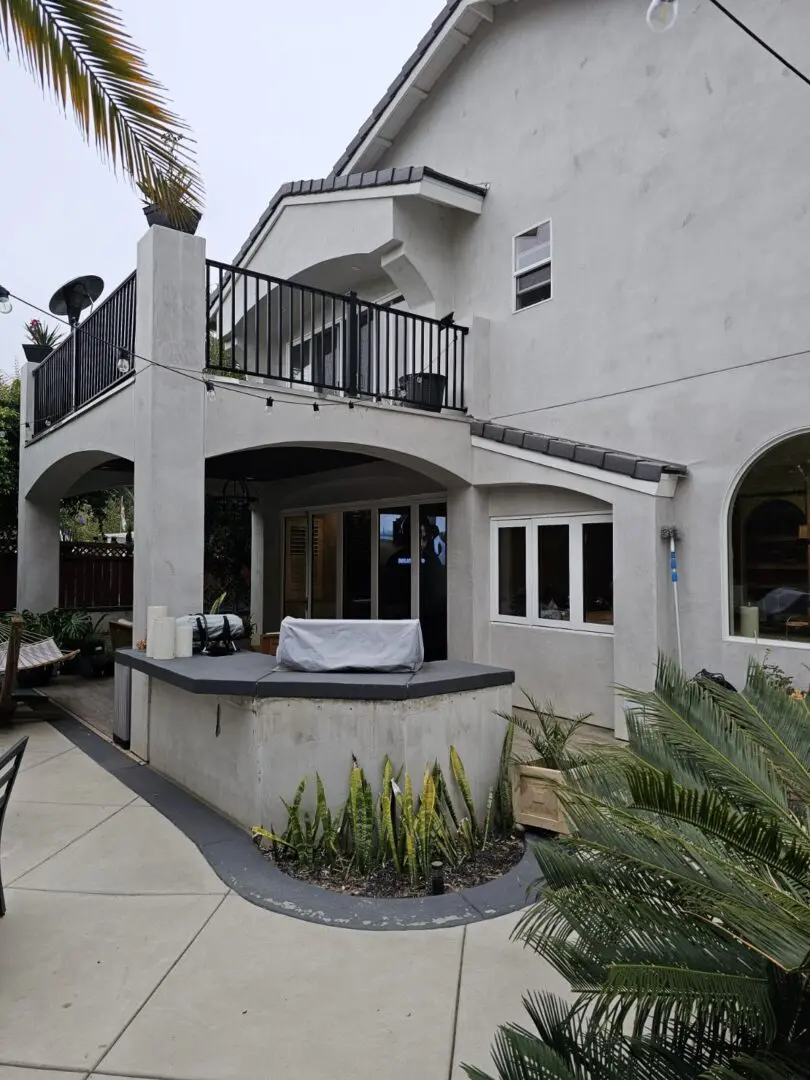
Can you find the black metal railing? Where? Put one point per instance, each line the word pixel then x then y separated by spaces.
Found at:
pixel 311 338
pixel 86 363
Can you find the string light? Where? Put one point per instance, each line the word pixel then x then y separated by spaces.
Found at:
pixel 123 362
pixel 268 405
pixel 316 407
pixel 210 390
pixel 661 15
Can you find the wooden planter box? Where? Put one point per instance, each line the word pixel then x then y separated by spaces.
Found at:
pixel 268 644
pixel 534 797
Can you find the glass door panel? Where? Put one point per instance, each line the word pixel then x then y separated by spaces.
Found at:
pixel 295 567
pixel 433 579
pixel 324 580
pixel 357 564
pixel 394 595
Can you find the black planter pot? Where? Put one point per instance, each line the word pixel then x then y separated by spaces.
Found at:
pixel 35 354
pixel 155 216
pixel 424 389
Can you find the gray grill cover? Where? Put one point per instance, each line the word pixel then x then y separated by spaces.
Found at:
pixel 350 645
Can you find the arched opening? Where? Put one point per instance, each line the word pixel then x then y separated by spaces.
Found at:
pixel 770 545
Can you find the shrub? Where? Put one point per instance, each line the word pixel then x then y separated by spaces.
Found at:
pixel 397 829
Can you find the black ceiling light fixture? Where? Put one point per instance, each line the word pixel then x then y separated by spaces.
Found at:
pixel 76 295
pixel 237 494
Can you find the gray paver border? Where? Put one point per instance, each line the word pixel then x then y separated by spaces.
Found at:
pixel 236 860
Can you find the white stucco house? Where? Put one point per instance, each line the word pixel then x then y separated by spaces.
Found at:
pixel 549 302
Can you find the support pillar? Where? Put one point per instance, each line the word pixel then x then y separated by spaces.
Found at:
pixel 257 566
pixel 37 525
pixel 169 438
pixel 643 620
pixel 468 575
pixel 37 555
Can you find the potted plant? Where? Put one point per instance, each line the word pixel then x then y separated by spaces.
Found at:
pixel 43 340
pixel 424 389
pixel 537 776
pixel 173 189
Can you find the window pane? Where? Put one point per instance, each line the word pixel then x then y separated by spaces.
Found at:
pixel 295 567
pixel 553 580
pixel 357 564
pixel 512 571
pixel 533 246
pixel 433 579
pixel 770 544
pixel 597 568
pixel 394 597
pixel 534 286
pixel 324 566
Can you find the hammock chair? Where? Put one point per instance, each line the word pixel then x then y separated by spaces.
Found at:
pixel 22 650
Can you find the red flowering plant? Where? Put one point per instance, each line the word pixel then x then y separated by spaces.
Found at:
pixel 43 335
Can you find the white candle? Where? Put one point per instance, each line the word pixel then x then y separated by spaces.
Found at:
pixel 152 613
pixel 749 621
pixel 163 631
pixel 183 641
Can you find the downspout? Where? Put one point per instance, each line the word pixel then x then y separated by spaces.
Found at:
pixel 671 534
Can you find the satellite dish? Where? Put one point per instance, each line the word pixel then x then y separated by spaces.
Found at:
pixel 74 296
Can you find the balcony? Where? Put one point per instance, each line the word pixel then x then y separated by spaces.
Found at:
pixel 307 338
pixel 290 334
pixel 86 364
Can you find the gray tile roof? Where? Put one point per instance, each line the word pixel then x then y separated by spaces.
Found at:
pixel 598 457
pixel 435 29
pixel 408 174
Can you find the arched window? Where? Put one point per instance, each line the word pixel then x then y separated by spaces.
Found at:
pixel 770 546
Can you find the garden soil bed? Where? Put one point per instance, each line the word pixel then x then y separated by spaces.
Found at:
pixel 497 860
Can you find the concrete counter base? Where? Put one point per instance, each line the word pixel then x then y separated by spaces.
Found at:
pixel 243 755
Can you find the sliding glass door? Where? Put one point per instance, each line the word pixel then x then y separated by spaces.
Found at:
pixel 359 564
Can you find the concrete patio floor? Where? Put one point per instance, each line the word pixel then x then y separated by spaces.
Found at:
pixel 123 954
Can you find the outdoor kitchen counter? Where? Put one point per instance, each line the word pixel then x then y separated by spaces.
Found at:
pixel 249 674
pixel 240 732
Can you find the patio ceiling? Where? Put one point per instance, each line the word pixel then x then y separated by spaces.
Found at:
pixel 266 463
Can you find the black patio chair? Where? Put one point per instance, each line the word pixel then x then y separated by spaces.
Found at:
pixel 9 767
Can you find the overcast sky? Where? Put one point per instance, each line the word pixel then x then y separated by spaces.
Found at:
pixel 272 91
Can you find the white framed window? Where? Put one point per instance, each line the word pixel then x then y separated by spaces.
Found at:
pixel 531 266
pixel 555 570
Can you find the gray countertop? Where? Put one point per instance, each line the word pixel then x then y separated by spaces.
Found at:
pixel 249 674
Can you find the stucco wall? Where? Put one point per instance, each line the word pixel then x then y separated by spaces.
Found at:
pixel 574 670
pixel 658 159
pixel 526 500
pixel 676 184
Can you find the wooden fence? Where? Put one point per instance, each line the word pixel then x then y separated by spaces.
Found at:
pixel 92 577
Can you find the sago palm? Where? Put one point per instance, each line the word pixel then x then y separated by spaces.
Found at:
pixel 80 51
pixel 679 908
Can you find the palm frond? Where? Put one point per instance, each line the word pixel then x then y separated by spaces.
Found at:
pixel 81 52
pixel 704 741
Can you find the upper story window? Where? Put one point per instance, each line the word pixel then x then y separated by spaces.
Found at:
pixel 553 571
pixel 531 266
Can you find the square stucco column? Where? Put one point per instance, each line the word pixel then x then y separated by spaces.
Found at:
pixel 468 575
pixel 38 555
pixel 265 562
pixel 643 617
pixel 37 525
pixel 169 438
